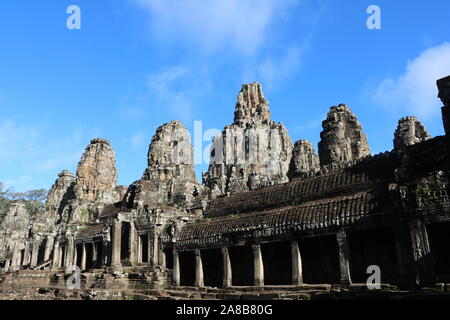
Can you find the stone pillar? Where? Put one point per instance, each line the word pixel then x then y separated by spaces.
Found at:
pixel 199 280
pixel 133 244
pixel 48 248
pixel 34 254
pixel 162 258
pixel 139 249
pixel 155 248
pixel 116 244
pixel 344 258
pixel 227 271
pixel 297 269
pixel 176 268
pixel 104 253
pixel 83 256
pixel 15 260
pixel 149 247
pixel 423 257
pixel 258 266
pixel 56 256
pixel 26 256
pixel 70 255
pixel 94 254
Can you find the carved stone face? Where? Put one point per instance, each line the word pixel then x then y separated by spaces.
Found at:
pixel 444 90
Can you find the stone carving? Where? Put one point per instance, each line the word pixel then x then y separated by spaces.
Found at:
pixel 342 138
pixel 409 131
pixel 444 90
pixel 60 193
pixel 305 162
pixel 170 175
pixel 97 174
pixel 252 152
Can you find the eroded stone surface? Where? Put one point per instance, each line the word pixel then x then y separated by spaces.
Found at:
pixel 252 152
pixel 444 90
pixel 97 174
pixel 342 138
pixel 305 162
pixel 409 131
pixel 170 175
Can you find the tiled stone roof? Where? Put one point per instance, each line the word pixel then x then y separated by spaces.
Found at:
pixel 313 215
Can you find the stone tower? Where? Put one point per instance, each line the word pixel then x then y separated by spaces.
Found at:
pixel 409 131
pixel 342 138
pixel 170 174
pixel 305 162
pixel 97 173
pixel 253 151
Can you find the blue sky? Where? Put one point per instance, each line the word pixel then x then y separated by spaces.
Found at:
pixel 136 64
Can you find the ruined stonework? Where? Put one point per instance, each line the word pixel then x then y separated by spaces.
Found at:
pixel 409 131
pixel 248 232
pixel 97 174
pixel 170 174
pixel 59 194
pixel 444 94
pixel 252 152
pixel 342 138
pixel 305 162
pixel 14 232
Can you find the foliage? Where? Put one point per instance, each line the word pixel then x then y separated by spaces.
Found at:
pixel 34 200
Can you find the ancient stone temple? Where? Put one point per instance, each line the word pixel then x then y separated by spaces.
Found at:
pixel 271 220
pixel 252 152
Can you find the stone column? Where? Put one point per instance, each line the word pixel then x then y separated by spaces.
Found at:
pixel 56 256
pixel 199 280
pixel 149 247
pixel 48 248
pixel 155 248
pixel 116 244
pixel 104 253
pixel 176 268
pixel 83 256
pixel 15 263
pixel 162 258
pixel 26 255
pixel 139 249
pixel 34 254
pixel 70 255
pixel 423 257
pixel 94 254
pixel 258 266
pixel 133 244
pixel 227 271
pixel 297 269
pixel 344 258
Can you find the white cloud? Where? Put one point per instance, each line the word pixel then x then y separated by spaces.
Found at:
pixel 30 154
pixel 173 91
pixel 415 91
pixel 243 25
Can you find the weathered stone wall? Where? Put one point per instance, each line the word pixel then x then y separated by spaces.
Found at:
pixel 305 162
pixel 97 174
pixel 409 131
pixel 342 138
pixel 170 175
